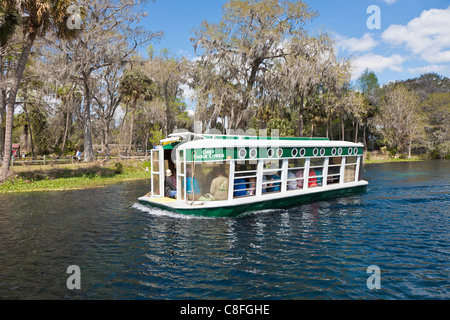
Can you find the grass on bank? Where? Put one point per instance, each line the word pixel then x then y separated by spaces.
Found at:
pixel 74 176
pixel 380 160
pixel 380 157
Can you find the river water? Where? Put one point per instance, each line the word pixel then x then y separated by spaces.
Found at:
pixel 320 250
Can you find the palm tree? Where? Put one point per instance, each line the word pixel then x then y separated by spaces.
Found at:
pixel 134 87
pixel 37 18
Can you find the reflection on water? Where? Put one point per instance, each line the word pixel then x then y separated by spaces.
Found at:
pixel 319 250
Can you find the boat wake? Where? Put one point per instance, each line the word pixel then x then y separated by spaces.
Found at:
pixel 165 213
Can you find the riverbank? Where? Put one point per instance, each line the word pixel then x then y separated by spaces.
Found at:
pixel 391 160
pixel 377 157
pixel 74 176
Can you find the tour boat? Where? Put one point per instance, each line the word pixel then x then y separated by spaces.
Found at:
pixel 228 175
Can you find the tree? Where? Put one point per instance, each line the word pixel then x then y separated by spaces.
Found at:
pixel 400 119
pixel 135 87
pixel 369 87
pixel 9 20
pixel 169 73
pixel 238 51
pixel 437 111
pixel 108 99
pixel 109 36
pixel 38 17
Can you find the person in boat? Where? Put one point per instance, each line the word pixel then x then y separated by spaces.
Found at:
pixel 192 187
pixel 219 186
pixel 319 173
pixel 211 176
pixel 276 186
pixel 265 186
pixel 299 174
pixel 312 182
pixel 292 184
pixel 239 187
pixel 170 189
pixel 252 189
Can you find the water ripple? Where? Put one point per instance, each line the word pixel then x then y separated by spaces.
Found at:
pixel 318 250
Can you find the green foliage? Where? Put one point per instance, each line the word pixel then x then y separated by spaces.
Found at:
pixel 135 86
pixel 156 135
pixel 72 178
pixel 119 168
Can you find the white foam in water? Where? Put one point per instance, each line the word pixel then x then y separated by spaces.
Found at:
pixel 161 212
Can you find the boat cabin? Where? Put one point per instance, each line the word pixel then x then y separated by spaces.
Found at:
pixel 221 171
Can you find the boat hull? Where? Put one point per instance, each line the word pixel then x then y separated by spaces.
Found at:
pixel 277 203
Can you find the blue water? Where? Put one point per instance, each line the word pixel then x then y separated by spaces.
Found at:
pixel 318 250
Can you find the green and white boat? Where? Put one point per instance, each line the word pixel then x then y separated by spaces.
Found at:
pixel 253 173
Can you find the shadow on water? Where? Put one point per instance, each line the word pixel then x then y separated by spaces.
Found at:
pixel 318 250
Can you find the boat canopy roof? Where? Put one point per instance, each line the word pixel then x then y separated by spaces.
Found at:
pixel 227 141
pixel 200 147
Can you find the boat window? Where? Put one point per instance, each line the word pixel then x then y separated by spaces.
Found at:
pixel 334 170
pixel 207 181
pixel 350 169
pixel 351 160
pixel 315 172
pixel 295 174
pixel 155 161
pixel 245 176
pixel 155 173
pixel 271 176
pixel 180 176
pixel 155 186
pixel 181 169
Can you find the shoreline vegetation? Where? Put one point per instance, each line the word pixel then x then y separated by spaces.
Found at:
pixel 87 175
pixel 74 176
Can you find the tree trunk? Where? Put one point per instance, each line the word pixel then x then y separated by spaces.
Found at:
pixel 4 173
pixel 331 129
pixel 365 137
pixel 66 130
pixel 300 118
pixel 107 134
pixel 88 151
pixel 2 119
pixel 342 129
pixel 409 149
pixel 130 142
pixel 356 131
pixel 29 127
pixel 2 107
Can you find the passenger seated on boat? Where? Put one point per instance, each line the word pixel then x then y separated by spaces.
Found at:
pixel 276 186
pixel 292 184
pixel 211 176
pixel 239 187
pixel 219 186
pixel 264 185
pixel 312 182
pixel 192 186
pixel 170 189
pixel 319 173
pixel 252 187
pixel 299 174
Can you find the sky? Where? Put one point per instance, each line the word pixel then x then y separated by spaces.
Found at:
pixel 397 39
